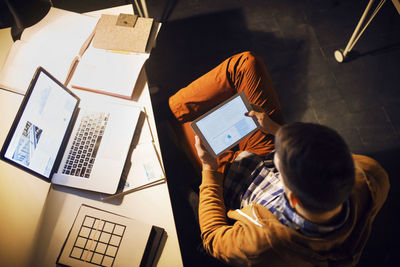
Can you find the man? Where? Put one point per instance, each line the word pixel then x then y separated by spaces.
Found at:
pixel 309 202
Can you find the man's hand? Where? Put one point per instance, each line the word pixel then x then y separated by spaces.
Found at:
pixel 209 162
pixel 267 125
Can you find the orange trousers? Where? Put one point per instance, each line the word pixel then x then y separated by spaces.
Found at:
pixel 242 72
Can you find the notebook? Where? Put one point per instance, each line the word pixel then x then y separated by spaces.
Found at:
pixel 102 238
pixel 57 138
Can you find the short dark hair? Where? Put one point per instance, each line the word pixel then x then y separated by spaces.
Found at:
pixel 315 164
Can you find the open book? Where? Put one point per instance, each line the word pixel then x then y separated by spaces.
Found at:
pixel 57 42
pixel 60 41
pixel 113 62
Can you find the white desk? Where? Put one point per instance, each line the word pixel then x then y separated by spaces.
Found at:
pixel 36 216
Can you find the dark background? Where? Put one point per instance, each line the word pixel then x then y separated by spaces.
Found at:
pixel 360 98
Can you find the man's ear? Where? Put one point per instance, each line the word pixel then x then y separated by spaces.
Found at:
pixel 293 200
pixel 276 162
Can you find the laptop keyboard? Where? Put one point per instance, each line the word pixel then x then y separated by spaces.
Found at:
pixel 83 151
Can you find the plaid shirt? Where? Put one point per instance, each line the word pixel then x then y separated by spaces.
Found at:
pixel 252 179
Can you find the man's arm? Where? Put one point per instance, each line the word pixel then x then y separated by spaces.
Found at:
pixel 230 243
pixel 376 177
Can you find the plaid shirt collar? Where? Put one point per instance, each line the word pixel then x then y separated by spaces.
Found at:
pixel 292 219
pixel 254 179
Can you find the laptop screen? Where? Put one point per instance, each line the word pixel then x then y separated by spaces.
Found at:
pixel 41 125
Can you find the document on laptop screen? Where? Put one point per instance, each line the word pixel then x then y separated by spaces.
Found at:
pixel 41 127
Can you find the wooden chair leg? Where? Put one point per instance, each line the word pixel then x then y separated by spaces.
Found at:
pixel 340 54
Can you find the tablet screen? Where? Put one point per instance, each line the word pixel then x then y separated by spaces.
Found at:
pixel 225 125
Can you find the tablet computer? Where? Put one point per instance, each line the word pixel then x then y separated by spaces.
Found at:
pixel 225 125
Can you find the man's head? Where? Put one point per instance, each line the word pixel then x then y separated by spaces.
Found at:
pixel 315 164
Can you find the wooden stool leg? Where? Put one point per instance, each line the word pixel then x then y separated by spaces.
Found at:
pixel 340 54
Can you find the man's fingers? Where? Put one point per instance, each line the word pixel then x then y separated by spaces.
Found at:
pixel 198 144
pixel 207 160
pixel 251 113
pixel 258 115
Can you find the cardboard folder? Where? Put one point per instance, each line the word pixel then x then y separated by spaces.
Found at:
pixel 123 32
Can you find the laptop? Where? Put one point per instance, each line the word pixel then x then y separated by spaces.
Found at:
pixel 57 138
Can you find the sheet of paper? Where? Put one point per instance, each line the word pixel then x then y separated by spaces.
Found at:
pixel 101 238
pixel 146 167
pixel 54 43
pixel 23 61
pixel 108 72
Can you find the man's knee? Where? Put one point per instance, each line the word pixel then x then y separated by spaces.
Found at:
pixel 248 58
pixel 248 61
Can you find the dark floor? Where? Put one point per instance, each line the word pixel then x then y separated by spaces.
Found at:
pixel 296 39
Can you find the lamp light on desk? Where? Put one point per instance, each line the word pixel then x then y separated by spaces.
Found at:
pixel 26 13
